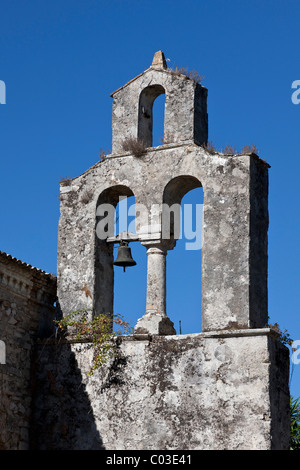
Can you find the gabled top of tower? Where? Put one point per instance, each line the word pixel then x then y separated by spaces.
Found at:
pixel 185 107
pixel 159 63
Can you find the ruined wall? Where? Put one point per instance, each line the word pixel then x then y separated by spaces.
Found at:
pixel 200 391
pixel 223 388
pixel 27 296
pixel 229 183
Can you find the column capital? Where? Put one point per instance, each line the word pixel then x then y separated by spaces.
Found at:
pixel 158 246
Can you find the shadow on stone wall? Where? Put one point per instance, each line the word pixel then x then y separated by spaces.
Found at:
pixel 62 415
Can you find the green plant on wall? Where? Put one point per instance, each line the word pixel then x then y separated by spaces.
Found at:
pixel 285 338
pixel 101 330
pixel 295 423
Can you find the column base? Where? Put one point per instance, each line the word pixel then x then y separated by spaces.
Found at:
pixel 155 324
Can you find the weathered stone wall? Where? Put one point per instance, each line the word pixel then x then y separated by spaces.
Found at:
pixel 235 222
pixel 229 256
pixel 224 388
pixel 27 297
pixel 185 109
pixel 221 390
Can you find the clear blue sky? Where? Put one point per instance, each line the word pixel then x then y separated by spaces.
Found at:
pixel 60 61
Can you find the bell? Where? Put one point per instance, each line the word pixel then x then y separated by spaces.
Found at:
pixel 124 257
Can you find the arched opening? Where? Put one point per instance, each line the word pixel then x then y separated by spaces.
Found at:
pixel 145 117
pixel 129 288
pixel 184 262
pixel 104 272
pixel 158 120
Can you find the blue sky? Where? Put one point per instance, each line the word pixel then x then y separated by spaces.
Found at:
pixel 60 60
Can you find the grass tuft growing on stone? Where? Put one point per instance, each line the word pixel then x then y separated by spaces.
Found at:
pixel 134 146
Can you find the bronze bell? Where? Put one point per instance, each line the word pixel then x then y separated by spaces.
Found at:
pixel 124 257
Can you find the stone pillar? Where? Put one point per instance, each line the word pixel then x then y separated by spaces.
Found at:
pixel 155 320
pixel 156 280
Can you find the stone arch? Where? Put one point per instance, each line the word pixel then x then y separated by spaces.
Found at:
pixel 103 257
pixel 181 197
pixel 145 112
pixel 178 186
pixel 111 194
pixel 173 193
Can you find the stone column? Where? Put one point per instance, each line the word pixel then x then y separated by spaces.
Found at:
pixel 155 320
pixel 156 280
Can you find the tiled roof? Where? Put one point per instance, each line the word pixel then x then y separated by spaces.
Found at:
pixel 5 257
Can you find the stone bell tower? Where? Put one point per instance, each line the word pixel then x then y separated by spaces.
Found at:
pixel 227 386
pixel 185 108
pixel 234 265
